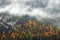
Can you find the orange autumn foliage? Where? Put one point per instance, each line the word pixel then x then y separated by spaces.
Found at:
pixel 13 35
pixel 46 33
pixel 3 36
pixel 35 24
pixel 30 22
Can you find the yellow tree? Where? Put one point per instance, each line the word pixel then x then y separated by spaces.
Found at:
pixel 51 28
pixel 30 22
pixel 34 24
pixel 3 36
pixel 27 24
pixel 19 26
pixel 13 35
pixel 46 34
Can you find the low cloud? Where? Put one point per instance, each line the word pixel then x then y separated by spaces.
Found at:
pixel 43 8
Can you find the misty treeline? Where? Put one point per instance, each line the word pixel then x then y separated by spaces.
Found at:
pixel 26 28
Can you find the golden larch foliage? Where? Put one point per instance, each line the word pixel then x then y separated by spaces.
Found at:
pixel 46 33
pixel 3 36
pixel 13 35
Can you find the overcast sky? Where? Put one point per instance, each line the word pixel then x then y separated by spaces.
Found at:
pixel 43 8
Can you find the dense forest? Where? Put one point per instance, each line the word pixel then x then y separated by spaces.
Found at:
pixel 27 28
